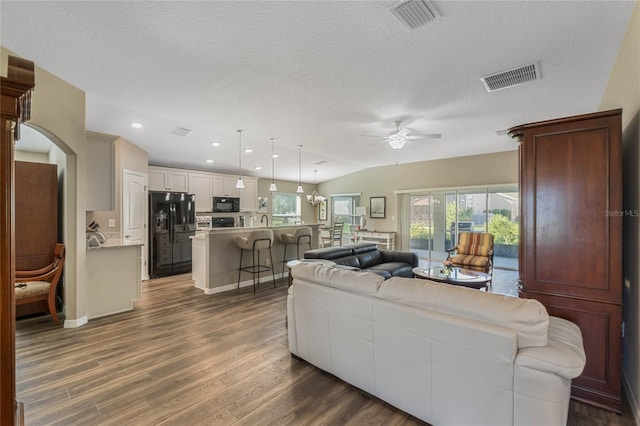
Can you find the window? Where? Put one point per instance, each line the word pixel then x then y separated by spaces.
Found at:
pixel 285 209
pixel 343 209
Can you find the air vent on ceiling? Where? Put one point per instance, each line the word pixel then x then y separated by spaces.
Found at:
pixel 510 78
pixel 181 131
pixel 414 13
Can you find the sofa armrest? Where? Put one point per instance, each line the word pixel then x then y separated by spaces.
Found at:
pixel 563 355
pixel 400 256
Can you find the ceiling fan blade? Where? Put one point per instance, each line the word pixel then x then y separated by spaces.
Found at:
pixel 425 136
pixel 380 142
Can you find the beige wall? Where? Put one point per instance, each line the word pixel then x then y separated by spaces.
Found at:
pixel 65 127
pixel 486 169
pixel 623 91
pixel 130 157
pixel 32 157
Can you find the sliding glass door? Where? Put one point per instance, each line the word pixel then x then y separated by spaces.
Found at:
pixel 436 218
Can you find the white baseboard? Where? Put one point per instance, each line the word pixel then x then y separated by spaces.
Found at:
pixel 229 287
pixel 632 398
pixel 106 314
pixel 75 323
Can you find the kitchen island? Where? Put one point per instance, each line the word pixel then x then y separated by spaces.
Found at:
pixel 216 257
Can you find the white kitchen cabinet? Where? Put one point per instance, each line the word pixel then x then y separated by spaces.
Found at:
pixel 249 195
pixel 225 185
pixel 201 185
pixel 167 179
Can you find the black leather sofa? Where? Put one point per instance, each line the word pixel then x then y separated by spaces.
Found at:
pixel 367 257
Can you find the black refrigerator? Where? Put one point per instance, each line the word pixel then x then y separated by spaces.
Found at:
pixel 172 222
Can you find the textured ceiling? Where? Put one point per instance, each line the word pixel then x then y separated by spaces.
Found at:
pixel 317 73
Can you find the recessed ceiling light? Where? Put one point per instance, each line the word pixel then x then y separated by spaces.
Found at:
pixel 136 125
pixel 216 144
pixel 275 155
pixel 209 161
pixel 248 150
pixel 258 167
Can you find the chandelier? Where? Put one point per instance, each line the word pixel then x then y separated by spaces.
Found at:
pixel 314 198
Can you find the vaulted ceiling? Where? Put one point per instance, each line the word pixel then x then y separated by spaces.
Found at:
pixel 323 74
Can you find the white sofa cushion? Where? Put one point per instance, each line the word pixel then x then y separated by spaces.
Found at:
pixel 527 317
pixel 358 282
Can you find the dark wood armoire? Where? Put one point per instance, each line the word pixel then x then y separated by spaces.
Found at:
pixel 571 237
pixel 36 207
pixel 15 108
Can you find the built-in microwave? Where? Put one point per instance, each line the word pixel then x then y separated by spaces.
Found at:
pixel 226 204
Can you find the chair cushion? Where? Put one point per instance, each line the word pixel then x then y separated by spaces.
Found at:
pixel 475 244
pixel 33 289
pixel 471 261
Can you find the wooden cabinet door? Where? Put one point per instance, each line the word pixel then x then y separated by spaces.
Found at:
pixel 572 234
pixel 36 209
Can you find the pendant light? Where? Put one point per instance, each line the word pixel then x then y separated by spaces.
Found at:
pixel 273 188
pixel 300 190
pixel 240 183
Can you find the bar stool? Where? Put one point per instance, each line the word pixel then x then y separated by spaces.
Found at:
pixel 261 239
pixel 299 237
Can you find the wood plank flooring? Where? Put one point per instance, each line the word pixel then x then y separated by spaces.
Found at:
pixel 184 358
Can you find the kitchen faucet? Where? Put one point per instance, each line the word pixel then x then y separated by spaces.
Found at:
pixel 264 216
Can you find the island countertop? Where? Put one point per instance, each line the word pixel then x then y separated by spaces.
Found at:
pixel 216 257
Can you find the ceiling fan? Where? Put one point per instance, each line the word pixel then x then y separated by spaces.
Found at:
pixel 400 136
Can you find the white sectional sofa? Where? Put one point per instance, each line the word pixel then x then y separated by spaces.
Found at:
pixel 446 354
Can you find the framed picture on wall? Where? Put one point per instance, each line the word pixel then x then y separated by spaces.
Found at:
pixel 262 204
pixel 377 207
pixel 323 210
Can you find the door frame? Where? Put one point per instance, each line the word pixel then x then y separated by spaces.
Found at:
pixel 144 267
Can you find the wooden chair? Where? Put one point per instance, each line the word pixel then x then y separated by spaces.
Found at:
pixel 40 285
pixel 474 251
pixel 335 235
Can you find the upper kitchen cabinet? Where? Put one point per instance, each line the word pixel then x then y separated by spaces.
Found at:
pixel 100 172
pixel 249 195
pixel 225 186
pixel 166 179
pixel 201 185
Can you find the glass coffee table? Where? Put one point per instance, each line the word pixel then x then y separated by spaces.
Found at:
pixel 457 276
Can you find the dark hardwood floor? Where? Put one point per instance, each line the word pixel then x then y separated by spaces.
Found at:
pixel 184 358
